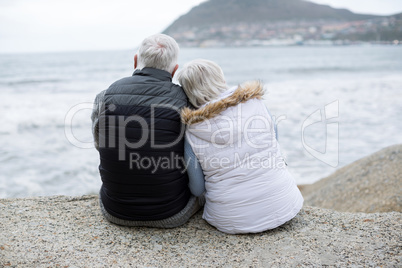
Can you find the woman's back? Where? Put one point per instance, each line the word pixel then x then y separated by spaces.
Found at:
pixel 248 187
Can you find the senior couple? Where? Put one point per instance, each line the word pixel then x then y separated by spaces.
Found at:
pixel 168 150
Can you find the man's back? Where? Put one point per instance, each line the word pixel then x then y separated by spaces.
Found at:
pixel 141 147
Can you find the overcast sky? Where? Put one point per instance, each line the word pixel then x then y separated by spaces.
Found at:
pixel 52 25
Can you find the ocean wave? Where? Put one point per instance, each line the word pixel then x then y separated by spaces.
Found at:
pixel 304 70
pixel 36 100
pixel 31 81
pixel 27 126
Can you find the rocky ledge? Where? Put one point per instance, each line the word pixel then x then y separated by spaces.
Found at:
pixel 62 231
pixel 371 184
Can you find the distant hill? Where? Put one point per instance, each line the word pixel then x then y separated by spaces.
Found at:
pixel 231 22
pixel 257 11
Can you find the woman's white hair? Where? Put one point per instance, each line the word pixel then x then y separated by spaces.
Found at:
pixel 202 81
pixel 158 51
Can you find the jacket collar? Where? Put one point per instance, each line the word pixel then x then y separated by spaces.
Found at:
pixel 156 73
pixel 247 91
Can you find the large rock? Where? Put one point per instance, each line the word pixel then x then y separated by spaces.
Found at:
pixel 71 232
pixel 371 184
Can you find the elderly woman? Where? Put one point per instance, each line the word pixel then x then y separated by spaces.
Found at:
pixel 248 188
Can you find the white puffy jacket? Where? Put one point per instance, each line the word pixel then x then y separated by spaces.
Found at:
pixel 248 187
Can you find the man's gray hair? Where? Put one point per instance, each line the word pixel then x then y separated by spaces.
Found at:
pixel 202 80
pixel 158 51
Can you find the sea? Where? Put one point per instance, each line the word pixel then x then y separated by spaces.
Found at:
pixel 332 105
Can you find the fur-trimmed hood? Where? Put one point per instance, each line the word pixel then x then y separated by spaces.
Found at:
pixel 246 91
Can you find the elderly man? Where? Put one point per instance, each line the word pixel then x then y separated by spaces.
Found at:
pixel 139 136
